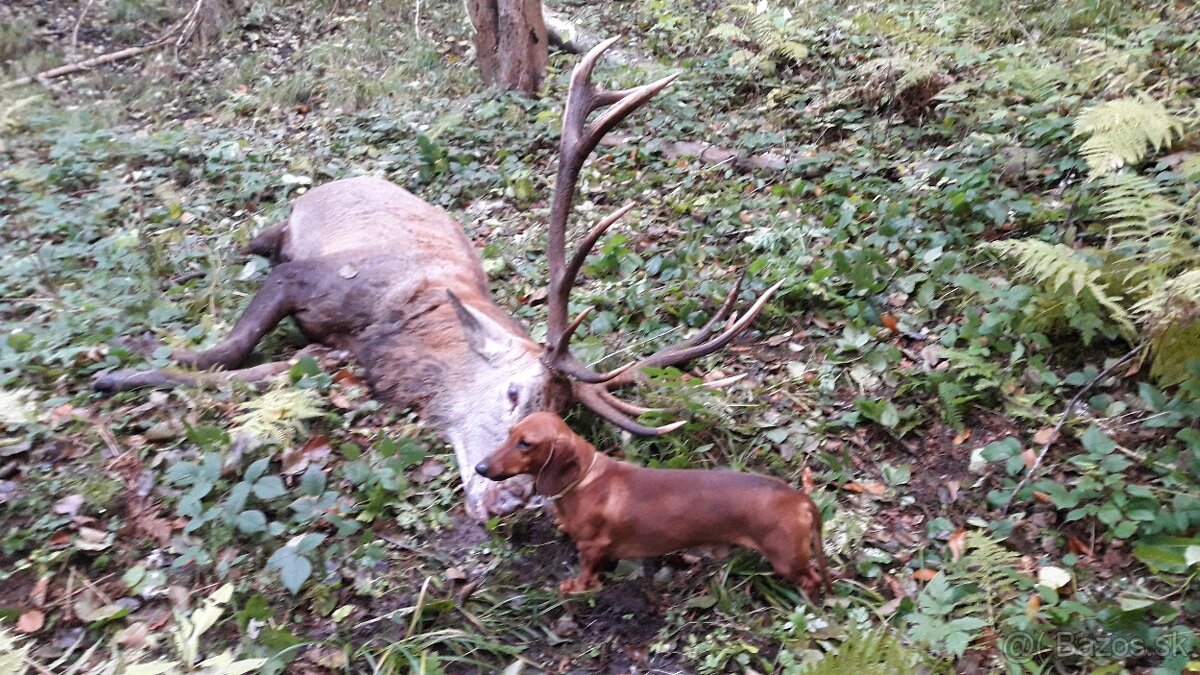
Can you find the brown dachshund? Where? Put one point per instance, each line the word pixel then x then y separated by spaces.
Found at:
pixel 613 509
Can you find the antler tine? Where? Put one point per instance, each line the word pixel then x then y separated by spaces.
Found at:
pixel 578 140
pixel 590 396
pixel 593 235
pixel 684 352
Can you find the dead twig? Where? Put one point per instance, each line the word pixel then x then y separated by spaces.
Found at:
pixel 1066 414
pixel 181 31
pixel 79 22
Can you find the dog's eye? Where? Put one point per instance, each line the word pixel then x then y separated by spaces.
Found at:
pixel 522 445
pixel 513 394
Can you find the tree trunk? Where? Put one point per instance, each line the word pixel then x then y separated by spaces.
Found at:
pixel 510 43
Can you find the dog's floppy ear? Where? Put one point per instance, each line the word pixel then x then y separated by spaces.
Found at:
pixel 562 466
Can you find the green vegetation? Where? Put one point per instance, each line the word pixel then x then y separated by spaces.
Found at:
pixel 981 211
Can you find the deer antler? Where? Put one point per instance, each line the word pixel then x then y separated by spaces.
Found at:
pixel 579 138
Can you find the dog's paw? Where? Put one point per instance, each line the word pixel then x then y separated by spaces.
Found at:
pixel 571 586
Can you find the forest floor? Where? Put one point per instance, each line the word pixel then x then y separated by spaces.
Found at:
pixel 889 159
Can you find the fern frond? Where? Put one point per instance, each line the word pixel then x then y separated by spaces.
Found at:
pixel 1117 69
pixel 1190 166
pixel 16 407
pixel 1176 301
pixel 873 652
pixel 1137 209
pixel 279 414
pixel 1123 131
pixel 1061 269
pixel 990 573
pixel 14 655
pixel 729 33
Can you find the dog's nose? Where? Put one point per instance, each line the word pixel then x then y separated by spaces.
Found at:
pixel 481 468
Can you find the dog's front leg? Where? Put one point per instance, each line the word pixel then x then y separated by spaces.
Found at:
pixel 591 560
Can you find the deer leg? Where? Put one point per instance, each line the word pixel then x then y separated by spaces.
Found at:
pixel 125 380
pixel 273 302
pixel 267 242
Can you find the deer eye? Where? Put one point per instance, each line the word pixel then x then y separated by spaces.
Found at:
pixel 522 445
pixel 513 394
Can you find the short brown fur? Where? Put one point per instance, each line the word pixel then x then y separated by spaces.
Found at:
pixel 613 509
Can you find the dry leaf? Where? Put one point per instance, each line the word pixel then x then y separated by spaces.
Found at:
pixel 1076 545
pixel 91 539
pixel 31 621
pixel 806 481
pixel 925 574
pixel 1035 603
pixel 1053 577
pixel 1029 457
pixel 890 323
pixel 134 635
pixel 962 436
pixel 1042 497
pixel 455 574
pixel 429 470
pixel 68 506
pixel 1045 436
pixel 296 460
pixel 38 594
pixel 957 543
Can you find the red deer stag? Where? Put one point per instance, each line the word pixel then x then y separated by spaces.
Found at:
pixel 366 266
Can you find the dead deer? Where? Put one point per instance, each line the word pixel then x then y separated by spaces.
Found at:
pixel 366 266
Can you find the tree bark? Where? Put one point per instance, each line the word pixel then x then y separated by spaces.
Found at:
pixel 510 43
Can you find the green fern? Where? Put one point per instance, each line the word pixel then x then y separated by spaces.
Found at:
pixel 1171 314
pixel 1121 132
pixel 875 652
pixel 14 655
pixel 279 414
pixel 16 406
pixel 769 36
pixel 1063 272
pixel 988 573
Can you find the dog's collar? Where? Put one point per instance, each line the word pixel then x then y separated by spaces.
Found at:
pixel 577 481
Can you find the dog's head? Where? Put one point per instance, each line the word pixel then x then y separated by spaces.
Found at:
pixel 540 445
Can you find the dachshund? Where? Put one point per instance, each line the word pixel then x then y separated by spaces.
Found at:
pixel 613 509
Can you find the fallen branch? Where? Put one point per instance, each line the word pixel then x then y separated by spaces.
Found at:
pixel 1063 420
pixel 184 27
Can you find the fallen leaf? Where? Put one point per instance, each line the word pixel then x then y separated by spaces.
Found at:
pixel 69 505
pixel 134 635
pixel 430 469
pixel 925 574
pixel 31 621
pixel 806 481
pixel 1035 603
pixel 1042 497
pixel 1045 436
pixel 1076 545
pixel 455 574
pixel 1029 457
pixel 296 460
pixel 1053 577
pixel 38 594
pixel 91 539
pixel 957 543
pixel 962 436
pixel 948 491
pixel 890 323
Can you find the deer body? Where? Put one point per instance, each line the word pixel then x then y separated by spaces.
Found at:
pixel 366 266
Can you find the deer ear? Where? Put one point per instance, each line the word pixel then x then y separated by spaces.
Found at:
pixel 485 336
